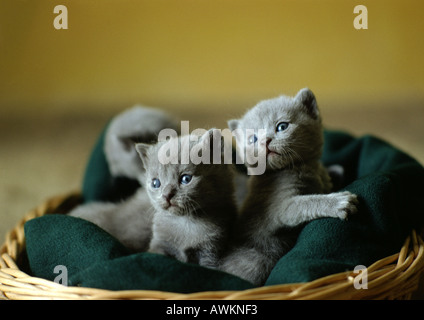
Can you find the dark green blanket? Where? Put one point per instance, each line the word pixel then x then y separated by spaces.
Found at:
pixel 387 181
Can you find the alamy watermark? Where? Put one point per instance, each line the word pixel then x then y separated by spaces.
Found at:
pixel 62 277
pixel 221 150
pixel 361 280
pixel 61 20
pixel 360 21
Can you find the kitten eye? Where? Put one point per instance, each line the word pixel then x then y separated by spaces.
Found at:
pixel 186 178
pixel 252 139
pixel 282 126
pixel 155 183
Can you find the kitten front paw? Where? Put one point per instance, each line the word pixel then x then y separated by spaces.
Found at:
pixel 345 204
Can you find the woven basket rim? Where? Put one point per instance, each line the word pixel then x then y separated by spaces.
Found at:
pixel 394 277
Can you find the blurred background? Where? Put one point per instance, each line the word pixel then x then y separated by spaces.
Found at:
pixel 204 61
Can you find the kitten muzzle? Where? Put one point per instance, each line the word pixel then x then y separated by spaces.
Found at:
pixel 270 152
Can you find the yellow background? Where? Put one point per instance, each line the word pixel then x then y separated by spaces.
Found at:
pixel 198 54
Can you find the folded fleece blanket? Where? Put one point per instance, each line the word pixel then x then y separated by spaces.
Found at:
pixel 387 181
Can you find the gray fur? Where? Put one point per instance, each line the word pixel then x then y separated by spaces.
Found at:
pixel 129 221
pixel 293 190
pixel 137 124
pixel 194 225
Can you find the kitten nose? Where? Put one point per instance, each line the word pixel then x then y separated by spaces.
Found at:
pixel 168 193
pixel 266 142
pixel 168 196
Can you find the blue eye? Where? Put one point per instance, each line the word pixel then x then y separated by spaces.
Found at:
pixel 186 178
pixel 252 139
pixel 282 126
pixel 155 183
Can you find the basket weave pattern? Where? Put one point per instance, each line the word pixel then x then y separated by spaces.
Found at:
pixel 394 277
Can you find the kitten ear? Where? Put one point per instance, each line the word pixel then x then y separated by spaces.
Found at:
pixel 307 98
pixel 142 149
pixel 233 124
pixel 127 143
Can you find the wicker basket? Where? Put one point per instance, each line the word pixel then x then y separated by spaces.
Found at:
pixel 394 277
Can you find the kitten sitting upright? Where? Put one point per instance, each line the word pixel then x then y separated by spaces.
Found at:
pixel 293 190
pixel 193 202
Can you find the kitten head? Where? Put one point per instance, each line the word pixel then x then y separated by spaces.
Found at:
pixel 291 131
pixel 181 177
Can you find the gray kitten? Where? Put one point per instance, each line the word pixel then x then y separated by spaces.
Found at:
pixel 193 199
pixel 293 190
pixel 130 220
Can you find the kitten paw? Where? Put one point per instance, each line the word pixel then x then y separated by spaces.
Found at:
pixel 345 204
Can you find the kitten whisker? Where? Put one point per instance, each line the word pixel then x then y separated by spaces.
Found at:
pixel 196 206
pixel 295 156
